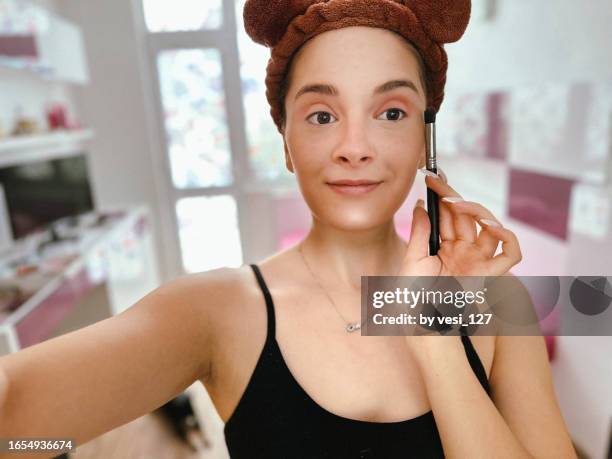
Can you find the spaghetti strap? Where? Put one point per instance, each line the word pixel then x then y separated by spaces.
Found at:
pixel 268 297
pixel 470 351
pixel 274 403
pixel 475 362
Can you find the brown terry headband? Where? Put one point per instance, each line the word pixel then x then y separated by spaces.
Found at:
pixel 284 25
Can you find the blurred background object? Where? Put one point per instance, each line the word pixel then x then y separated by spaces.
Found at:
pixel 160 106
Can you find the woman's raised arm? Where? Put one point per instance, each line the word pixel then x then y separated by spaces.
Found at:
pixel 87 382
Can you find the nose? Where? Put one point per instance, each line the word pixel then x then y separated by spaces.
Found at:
pixel 354 148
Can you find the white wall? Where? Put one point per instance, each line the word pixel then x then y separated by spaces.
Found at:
pixel 582 380
pixel 532 42
pixel 527 44
pixel 114 105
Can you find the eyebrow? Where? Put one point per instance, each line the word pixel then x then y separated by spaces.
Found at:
pixel 330 90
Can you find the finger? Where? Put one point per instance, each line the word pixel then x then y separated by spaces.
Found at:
pixel 485 241
pixel 447 226
pixel 418 245
pixel 439 173
pixel 464 227
pixel 510 254
pixel 442 174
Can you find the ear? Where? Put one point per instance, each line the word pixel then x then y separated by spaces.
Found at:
pixel 288 162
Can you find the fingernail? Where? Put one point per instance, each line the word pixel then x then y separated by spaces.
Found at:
pixel 442 174
pixel 420 203
pixel 429 173
pixel 452 199
pixel 488 222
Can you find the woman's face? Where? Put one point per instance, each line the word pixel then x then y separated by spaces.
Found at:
pixel 351 128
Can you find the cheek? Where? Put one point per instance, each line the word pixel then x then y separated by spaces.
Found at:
pixel 404 151
pixel 307 158
pixel 403 154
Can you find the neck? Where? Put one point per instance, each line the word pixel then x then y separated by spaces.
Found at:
pixel 341 256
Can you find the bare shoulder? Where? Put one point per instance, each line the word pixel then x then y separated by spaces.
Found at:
pixel 207 290
pixel 210 299
pixel 241 326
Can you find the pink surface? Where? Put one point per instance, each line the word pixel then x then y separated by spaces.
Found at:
pixel 46 317
pixel 291 238
pixel 539 200
pixel 497 135
pixel 18 46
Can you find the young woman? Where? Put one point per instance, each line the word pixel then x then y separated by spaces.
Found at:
pixel 269 341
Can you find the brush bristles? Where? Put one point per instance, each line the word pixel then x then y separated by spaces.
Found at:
pixel 430 116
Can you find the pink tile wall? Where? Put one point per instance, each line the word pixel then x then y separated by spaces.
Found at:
pixel 542 201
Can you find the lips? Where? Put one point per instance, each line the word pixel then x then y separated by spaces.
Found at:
pixel 353 187
pixel 353 182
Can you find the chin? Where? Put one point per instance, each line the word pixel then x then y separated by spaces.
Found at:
pixel 358 219
pixel 355 214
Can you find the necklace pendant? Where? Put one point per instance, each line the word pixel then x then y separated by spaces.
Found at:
pixel 352 327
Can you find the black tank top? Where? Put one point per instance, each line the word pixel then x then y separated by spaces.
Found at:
pixel 275 418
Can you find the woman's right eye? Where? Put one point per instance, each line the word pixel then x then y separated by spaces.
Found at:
pixel 320 117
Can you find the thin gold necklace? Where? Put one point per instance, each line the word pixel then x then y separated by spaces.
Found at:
pixel 350 326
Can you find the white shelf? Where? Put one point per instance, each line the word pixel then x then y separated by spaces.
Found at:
pixel 20 149
pixel 56 43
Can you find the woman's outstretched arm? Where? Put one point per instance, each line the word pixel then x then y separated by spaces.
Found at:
pixel 87 382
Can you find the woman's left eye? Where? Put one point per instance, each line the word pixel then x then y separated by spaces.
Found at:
pixel 395 114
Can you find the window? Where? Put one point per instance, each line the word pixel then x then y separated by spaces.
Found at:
pixel 193 101
pixel 182 15
pixel 265 144
pixel 208 232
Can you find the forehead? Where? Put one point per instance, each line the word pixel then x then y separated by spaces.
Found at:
pixel 354 55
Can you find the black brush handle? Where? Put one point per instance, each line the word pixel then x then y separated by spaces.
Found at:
pixel 434 219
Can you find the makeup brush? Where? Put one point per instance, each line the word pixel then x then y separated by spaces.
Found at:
pixel 431 165
pixel 432 199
